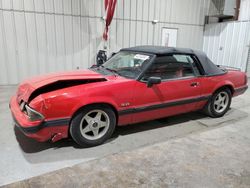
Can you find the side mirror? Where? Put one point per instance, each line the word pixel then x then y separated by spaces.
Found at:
pixel 153 80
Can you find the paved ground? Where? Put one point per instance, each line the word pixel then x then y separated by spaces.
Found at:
pixel 193 149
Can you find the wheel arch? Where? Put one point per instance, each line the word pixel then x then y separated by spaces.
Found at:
pixel 229 86
pixel 224 84
pixel 95 103
pixel 207 109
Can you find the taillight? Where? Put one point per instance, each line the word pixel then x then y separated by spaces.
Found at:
pixel 245 79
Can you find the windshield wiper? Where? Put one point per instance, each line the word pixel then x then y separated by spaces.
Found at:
pixel 111 70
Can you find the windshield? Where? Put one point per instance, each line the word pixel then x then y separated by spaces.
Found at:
pixel 127 64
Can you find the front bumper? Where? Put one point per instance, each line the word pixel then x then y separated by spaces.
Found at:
pixel 38 130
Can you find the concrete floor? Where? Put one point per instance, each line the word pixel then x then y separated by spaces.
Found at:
pixel 23 158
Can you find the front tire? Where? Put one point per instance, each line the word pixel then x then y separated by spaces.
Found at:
pixel 93 125
pixel 219 103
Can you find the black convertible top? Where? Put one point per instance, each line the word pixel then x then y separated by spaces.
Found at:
pixel 209 67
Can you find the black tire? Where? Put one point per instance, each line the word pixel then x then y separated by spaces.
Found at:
pixel 78 121
pixel 210 107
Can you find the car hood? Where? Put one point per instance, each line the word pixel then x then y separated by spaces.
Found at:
pixel 33 87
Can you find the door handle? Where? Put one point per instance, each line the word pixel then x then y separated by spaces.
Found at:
pixel 194 84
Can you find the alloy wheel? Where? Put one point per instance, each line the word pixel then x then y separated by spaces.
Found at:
pixel 221 101
pixel 94 124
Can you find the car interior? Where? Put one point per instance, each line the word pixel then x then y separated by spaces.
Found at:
pixel 169 68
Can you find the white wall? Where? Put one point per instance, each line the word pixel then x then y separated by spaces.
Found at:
pixel 228 43
pixel 248 64
pixel 244 10
pixel 40 36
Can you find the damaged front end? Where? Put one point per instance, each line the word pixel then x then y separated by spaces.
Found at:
pixel 61 84
pixel 36 112
pixel 32 114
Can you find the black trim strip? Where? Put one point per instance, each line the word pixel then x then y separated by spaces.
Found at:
pixel 163 105
pixel 44 124
pixel 241 89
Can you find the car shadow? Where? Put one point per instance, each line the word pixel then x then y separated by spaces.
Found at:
pixel 29 145
pixel 123 139
pixel 158 123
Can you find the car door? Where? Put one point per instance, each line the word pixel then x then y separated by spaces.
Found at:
pixel 178 92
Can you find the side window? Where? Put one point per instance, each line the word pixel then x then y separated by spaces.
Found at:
pixel 188 60
pixel 172 66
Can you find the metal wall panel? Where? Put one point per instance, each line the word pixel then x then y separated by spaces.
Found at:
pixel 248 64
pixel 244 14
pixel 41 36
pixel 228 43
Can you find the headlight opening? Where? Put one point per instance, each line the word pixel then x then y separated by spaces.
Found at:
pixel 32 114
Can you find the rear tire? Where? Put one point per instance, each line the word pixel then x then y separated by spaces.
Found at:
pixel 93 125
pixel 219 103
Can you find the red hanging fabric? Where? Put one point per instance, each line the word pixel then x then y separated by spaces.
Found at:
pixel 106 4
pixel 110 9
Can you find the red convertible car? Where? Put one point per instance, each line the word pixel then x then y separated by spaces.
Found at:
pixel 137 84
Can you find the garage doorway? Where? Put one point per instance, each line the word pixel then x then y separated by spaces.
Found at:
pixel 169 37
